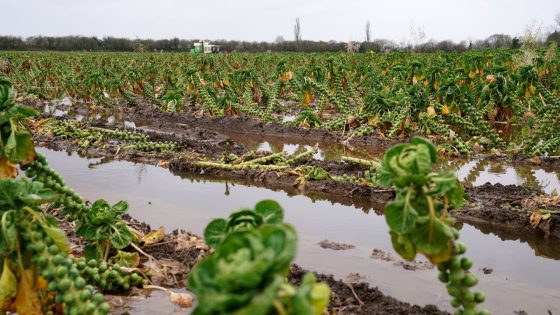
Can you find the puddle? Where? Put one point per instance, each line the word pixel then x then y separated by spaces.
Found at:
pixel 477 172
pixel 525 268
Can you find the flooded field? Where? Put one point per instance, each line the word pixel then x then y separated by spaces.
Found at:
pixel 521 271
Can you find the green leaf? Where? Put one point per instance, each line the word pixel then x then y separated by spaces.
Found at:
pixel 245 272
pixel 400 216
pixel 9 231
pixel 215 232
pixel 121 236
pixel 423 162
pixel 244 220
pixel 431 147
pixel 311 298
pixel 17 192
pixel 270 211
pixel 102 213
pixel 92 232
pixel 432 237
pixel 261 303
pixel 19 147
pixel 93 251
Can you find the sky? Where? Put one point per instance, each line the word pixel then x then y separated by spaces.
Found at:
pixel 265 20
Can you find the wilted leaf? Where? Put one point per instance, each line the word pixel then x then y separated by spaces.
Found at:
pixel 8 286
pixel 7 169
pixel 126 259
pixel 432 237
pixel 19 147
pixel 27 301
pixel 403 246
pixel 154 237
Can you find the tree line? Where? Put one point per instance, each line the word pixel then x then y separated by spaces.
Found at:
pixel 84 43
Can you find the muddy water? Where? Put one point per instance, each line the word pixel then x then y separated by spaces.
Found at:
pixel 521 279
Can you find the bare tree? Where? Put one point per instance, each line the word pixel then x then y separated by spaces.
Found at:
pixel 417 37
pixel 368 32
pixel 297 31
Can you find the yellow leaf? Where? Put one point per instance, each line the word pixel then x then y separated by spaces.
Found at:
pixel 445 110
pixel 8 286
pixel 437 85
pixel 27 301
pixel 431 111
pixel 414 79
pixel 307 98
pixel 443 256
pixel 7 169
pixel 472 75
pixel 154 236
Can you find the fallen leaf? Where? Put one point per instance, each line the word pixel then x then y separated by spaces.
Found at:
pixel 535 219
pixel 163 163
pixel 535 160
pixel 154 236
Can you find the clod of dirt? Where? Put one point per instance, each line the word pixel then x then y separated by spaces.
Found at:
pixel 487 271
pixel 407 265
pixel 336 246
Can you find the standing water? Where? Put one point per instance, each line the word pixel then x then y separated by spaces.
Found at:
pixel 522 277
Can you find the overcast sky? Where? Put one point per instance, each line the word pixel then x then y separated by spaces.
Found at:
pixel 264 20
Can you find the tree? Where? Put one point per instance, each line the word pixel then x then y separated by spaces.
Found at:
pixel 297 31
pixel 368 32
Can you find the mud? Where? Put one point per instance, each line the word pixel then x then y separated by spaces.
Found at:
pixel 326 244
pixel 360 298
pixel 405 264
pixel 145 114
pixel 509 206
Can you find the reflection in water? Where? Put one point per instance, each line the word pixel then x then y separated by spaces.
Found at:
pixel 521 280
pixel 477 172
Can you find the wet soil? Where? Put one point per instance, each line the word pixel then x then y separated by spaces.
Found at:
pixel 505 207
pixel 334 245
pixel 405 264
pixel 145 114
pixel 509 206
pixel 360 298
